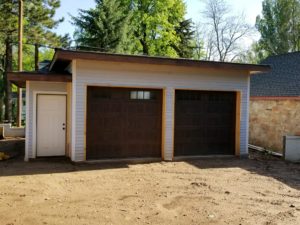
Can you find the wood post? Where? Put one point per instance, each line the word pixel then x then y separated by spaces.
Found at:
pixel 20 64
pixel 7 84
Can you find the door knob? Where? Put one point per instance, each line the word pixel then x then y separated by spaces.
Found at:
pixel 64 126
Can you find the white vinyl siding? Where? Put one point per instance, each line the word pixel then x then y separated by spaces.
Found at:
pixel 36 86
pixel 168 78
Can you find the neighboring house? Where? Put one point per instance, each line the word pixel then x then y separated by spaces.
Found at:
pixel 92 106
pixel 275 102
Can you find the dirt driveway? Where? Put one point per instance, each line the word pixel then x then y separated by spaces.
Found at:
pixel 206 191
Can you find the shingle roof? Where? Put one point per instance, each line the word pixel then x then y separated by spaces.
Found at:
pixel 282 80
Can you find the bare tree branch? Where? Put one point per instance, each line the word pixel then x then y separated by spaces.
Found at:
pixel 227 31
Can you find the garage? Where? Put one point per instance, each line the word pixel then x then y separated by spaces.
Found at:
pixel 128 106
pixel 204 123
pixel 123 123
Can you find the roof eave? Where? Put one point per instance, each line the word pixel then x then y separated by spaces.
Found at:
pixel 70 55
pixel 20 78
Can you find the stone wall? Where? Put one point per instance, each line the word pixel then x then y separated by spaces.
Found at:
pixel 270 120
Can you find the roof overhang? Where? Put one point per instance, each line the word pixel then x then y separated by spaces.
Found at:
pixel 58 71
pixel 62 58
pixel 20 78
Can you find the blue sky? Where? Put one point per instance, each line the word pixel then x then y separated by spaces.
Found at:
pixel 251 9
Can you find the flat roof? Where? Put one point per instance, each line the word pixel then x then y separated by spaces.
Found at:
pixel 63 57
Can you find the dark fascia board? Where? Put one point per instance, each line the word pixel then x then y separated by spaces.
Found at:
pixel 61 54
pixel 20 78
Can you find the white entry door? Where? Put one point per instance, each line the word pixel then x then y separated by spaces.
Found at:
pixel 51 125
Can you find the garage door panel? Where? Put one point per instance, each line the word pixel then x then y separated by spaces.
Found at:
pixel 121 127
pixel 204 123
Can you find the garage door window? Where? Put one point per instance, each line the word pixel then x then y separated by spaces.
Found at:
pixel 142 95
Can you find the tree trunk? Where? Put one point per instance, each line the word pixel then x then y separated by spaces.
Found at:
pixel 36 57
pixel 2 64
pixel 145 47
pixel 1 109
pixel 143 41
pixel 7 84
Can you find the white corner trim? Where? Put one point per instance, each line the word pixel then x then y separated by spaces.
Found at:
pixel 169 123
pixel 27 122
pixel 34 118
pixel 247 116
pixel 73 137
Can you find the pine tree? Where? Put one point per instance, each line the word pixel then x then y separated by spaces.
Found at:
pixel 8 29
pixel 186 32
pixel 104 28
pixel 38 22
pixel 135 26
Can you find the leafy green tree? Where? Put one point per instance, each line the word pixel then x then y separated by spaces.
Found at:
pixel 155 24
pixel 29 61
pixel 279 26
pixel 105 27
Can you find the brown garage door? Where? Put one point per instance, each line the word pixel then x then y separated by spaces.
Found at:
pixel 123 123
pixel 204 123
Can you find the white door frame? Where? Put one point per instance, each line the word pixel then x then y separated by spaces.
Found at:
pixel 34 119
